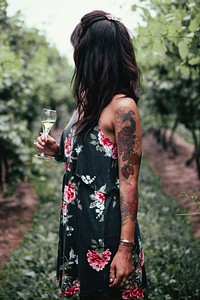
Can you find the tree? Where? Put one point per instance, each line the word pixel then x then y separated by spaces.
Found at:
pixel 33 75
pixel 168 46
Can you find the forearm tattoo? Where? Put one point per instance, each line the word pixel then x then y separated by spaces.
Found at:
pixel 128 143
pixel 129 202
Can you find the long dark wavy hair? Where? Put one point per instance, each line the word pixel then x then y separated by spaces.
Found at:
pixel 105 65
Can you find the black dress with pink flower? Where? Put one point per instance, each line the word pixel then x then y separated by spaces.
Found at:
pixel 90 218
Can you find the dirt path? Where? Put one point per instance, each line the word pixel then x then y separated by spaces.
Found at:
pixel 175 177
pixel 15 218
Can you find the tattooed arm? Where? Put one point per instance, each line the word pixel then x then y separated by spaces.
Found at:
pixel 128 137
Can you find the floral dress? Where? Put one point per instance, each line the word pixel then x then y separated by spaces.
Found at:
pixel 90 218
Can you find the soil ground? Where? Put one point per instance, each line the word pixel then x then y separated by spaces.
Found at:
pixel 175 176
pixel 16 211
pixel 15 218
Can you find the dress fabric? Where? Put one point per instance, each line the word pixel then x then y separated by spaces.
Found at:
pixel 90 219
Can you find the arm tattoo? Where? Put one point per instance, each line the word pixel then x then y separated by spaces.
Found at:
pixel 128 143
pixel 129 203
pixel 126 136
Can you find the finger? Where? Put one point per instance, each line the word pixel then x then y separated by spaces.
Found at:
pixel 39 148
pixel 121 283
pixel 112 277
pixel 40 141
pixel 39 144
pixel 43 137
pixel 124 281
pixel 116 282
pixel 112 274
pixel 50 140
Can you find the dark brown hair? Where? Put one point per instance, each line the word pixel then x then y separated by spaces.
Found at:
pixel 105 65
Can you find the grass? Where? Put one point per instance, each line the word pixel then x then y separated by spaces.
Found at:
pixel 30 273
pixel 172 254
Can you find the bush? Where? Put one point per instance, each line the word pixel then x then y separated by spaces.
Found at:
pixel 172 254
pixel 30 273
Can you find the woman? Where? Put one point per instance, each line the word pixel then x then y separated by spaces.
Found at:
pixel 100 254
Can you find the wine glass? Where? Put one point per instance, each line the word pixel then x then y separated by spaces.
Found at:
pixel 48 118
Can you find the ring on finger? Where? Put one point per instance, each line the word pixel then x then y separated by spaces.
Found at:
pixel 123 280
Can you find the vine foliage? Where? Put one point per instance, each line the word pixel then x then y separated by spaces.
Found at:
pixel 169 54
pixel 33 75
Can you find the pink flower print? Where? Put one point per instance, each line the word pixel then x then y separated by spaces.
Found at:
pixel 69 193
pixel 132 292
pixel 100 196
pixel 109 146
pixel 68 147
pixel 114 151
pixel 141 255
pixel 106 142
pixel 67 167
pixel 98 260
pixel 64 208
pixel 74 289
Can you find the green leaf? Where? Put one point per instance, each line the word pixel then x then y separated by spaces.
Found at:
pixel 195 23
pixel 29 273
pixel 169 17
pixel 187 18
pixel 93 136
pixel 172 31
pixel 93 142
pixel 194 61
pixel 134 7
pixel 183 49
pixel 185 71
pixel 21 295
pixel 159 48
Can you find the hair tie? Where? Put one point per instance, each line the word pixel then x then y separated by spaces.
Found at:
pixel 113 18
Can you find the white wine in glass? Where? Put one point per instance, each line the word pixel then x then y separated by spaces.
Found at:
pixel 48 118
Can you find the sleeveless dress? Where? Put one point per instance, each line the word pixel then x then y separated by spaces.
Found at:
pixel 90 218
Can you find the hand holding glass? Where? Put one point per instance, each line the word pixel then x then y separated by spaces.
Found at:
pixel 48 118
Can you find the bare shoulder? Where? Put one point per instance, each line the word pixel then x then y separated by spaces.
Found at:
pixel 123 101
pixel 123 108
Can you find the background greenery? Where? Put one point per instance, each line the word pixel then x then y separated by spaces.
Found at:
pixel 168 52
pixel 34 75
